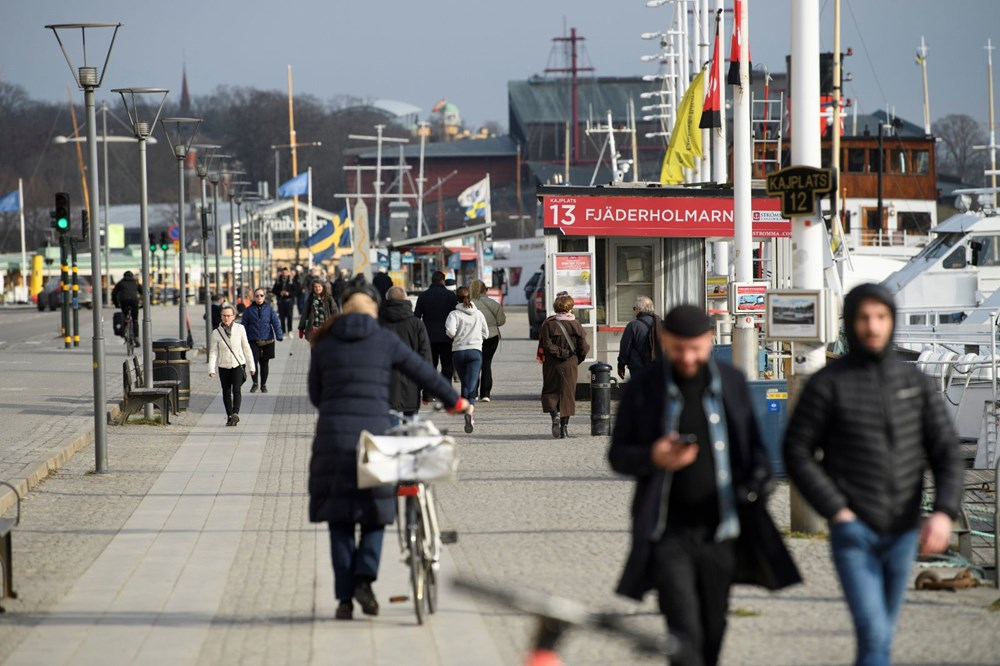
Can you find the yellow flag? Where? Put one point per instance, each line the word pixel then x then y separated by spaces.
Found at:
pixel 685 140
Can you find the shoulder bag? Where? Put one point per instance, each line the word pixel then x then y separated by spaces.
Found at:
pixel 569 341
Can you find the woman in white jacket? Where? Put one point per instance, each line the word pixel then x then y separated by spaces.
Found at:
pixel 229 352
pixel 467 328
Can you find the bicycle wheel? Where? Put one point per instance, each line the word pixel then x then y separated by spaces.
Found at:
pixel 129 338
pixel 417 569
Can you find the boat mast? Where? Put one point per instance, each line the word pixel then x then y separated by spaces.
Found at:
pixel 993 135
pixel 922 61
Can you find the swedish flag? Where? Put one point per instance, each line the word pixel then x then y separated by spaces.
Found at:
pixel 322 243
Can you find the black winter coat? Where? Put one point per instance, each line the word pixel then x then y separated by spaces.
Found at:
pixel 762 558
pixel 383 283
pixel 434 306
pixel 127 290
pixel 397 316
pixel 878 421
pixel 349 375
pixel 635 351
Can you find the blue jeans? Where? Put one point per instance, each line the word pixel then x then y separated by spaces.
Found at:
pixel 874 570
pixel 467 364
pixel 353 560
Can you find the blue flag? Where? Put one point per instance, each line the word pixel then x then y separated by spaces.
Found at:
pixel 10 202
pixel 321 243
pixel 295 187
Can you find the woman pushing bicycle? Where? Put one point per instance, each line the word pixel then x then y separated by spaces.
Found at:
pixel 349 375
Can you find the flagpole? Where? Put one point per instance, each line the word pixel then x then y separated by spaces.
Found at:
pixel 719 161
pixel 745 334
pixel 309 194
pixel 706 134
pixel 24 253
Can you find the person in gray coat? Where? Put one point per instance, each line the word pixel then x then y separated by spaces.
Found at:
pixel 495 318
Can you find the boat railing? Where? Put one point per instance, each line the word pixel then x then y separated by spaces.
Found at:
pixel 888 238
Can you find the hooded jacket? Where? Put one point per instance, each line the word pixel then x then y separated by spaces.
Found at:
pixel 397 316
pixel 878 423
pixel 467 328
pixel 349 375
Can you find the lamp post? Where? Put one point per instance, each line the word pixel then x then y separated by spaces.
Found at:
pixel 184 131
pixel 206 155
pixel 88 78
pixel 142 130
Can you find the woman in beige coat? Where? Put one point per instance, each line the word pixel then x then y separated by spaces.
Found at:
pixel 229 353
pixel 563 344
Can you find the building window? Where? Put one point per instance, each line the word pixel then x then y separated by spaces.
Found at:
pixel 917 223
pixel 633 277
pixel 855 160
pixel 921 162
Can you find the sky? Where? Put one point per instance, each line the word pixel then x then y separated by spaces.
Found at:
pixel 420 51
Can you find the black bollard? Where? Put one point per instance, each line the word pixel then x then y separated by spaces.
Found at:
pixel 600 399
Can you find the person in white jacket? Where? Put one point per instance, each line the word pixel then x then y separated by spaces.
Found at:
pixel 467 328
pixel 229 352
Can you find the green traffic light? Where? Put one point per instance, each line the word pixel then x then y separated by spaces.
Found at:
pixel 62 224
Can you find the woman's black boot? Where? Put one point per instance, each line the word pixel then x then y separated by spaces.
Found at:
pixel 564 423
pixel 556 428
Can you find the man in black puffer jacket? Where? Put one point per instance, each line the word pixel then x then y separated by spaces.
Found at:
pixel 397 316
pixel 878 422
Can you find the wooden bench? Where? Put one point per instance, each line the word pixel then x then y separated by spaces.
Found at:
pixel 135 396
pixel 7 550
pixel 173 384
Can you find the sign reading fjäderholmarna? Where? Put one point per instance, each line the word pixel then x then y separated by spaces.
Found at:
pixel 798 187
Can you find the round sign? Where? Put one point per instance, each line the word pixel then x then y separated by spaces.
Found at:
pixel 174 232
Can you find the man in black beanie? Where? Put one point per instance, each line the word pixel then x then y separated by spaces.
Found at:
pixel 878 422
pixel 686 431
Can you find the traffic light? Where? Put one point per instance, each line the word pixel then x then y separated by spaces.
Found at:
pixel 164 243
pixel 84 224
pixel 60 217
pixel 152 244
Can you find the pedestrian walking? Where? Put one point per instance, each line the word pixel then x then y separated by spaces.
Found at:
pixel 466 326
pixel 339 285
pixel 382 283
pixel 264 331
pixel 352 361
pixel 286 290
pixel 563 345
pixel 396 315
pixel 878 422
pixel 495 318
pixel 686 431
pixel 220 300
pixel 230 355
pixel 433 307
pixel 639 346
pixel 318 309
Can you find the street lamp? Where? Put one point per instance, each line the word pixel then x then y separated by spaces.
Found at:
pixel 206 155
pixel 184 130
pixel 131 98
pixel 88 78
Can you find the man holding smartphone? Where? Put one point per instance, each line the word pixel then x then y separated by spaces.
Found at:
pixel 686 431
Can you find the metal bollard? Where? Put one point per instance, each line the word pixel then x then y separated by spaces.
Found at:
pixel 600 399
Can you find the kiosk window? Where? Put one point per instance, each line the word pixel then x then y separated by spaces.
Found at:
pixel 633 278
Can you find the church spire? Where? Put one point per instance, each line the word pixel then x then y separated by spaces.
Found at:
pixel 185 97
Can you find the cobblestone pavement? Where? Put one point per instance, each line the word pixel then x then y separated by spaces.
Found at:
pixel 215 562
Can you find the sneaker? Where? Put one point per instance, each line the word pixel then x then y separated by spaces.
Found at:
pixel 234 419
pixel 485 399
pixel 253 389
pixel 366 597
pixel 263 389
pixel 345 610
pixel 470 423
pixel 229 420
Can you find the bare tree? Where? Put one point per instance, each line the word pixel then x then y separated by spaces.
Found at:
pixel 955 155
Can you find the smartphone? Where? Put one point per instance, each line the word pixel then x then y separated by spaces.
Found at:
pixel 686 439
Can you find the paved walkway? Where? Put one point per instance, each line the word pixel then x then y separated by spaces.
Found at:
pixel 196 549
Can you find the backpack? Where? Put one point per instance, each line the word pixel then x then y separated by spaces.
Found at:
pixel 648 352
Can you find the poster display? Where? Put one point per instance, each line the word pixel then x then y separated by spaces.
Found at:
pixel 574 273
pixel 750 298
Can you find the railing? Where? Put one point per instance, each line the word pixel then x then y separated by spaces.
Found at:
pixel 888 238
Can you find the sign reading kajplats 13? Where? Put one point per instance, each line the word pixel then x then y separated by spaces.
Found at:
pixel 698 217
pixel 798 187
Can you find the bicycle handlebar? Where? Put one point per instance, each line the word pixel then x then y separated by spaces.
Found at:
pixel 571 613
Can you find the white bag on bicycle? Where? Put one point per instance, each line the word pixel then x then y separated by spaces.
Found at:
pixel 385 460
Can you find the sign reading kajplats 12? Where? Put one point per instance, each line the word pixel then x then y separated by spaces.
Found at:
pixel 611 215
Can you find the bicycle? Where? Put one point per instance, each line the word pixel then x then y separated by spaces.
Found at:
pixel 128 332
pixel 417 528
pixel 556 616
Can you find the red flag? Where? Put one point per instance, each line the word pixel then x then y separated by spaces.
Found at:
pixel 733 78
pixel 711 113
